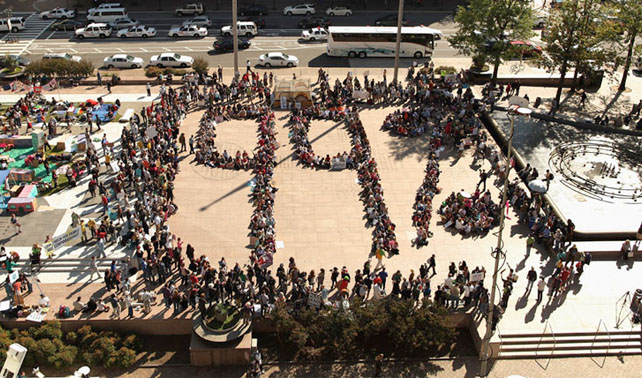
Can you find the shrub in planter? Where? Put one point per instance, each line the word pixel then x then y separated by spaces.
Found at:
pixel 153 71
pixel 60 68
pixel 200 66
pixel 445 70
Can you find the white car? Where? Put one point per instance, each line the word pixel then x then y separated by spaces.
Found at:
pixel 278 59
pixel 187 31
pixel 95 30
pixel 338 11
pixel 104 6
pixel 58 13
pixel 315 34
pixel 200 21
pixel 123 23
pixel 63 56
pixel 306 9
pixel 123 61
pixel 171 60
pixel 137 31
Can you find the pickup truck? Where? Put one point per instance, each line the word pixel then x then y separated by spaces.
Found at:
pixel 192 9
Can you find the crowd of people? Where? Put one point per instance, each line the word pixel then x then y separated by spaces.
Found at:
pixel 138 199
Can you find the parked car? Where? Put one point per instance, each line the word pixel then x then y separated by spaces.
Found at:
pixel 541 18
pixel 278 59
pixel 64 56
pixel 187 31
pixel 138 31
pixel 254 10
pixel 170 59
pixel 527 48
pixel 104 6
pixel 15 24
pixel 65 25
pixel 338 11
pixel 190 9
pixel 315 34
pixel 21 60
pixel 258 21
pixel 227 44
pixel 95 30
pixel 123 61
pixel 314 22
pixel 123 23
pixel 200 21
pixel 390 20
pixel 246 28
pixel 306 9
pixel 58 13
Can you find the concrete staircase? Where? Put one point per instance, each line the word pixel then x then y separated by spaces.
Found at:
pixel 571 344
pixel 67 265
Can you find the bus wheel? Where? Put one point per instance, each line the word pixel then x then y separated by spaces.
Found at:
pixel 352 54
pixel 419 54
pixel 362 54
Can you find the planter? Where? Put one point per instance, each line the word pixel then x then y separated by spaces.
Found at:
pixel 19 71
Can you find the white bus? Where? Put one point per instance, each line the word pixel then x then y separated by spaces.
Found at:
pixel 380 41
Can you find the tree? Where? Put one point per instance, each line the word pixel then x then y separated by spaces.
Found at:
pixel 573 37
pixel 629 18
pixel 486 27
pixel 200 66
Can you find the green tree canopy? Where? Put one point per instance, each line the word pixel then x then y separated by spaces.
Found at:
pixel 486 27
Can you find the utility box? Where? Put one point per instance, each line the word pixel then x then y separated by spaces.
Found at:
pixel 15 355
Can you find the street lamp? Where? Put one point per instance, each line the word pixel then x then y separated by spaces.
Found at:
pixel 399 24
pixel 513 111
pixel 235 38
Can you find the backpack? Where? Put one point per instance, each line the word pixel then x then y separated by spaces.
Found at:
pixel 64 312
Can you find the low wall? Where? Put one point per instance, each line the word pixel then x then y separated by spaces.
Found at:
pixel 137 326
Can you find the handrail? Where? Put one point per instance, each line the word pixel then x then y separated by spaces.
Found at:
pixel 608 345
pixel 550 356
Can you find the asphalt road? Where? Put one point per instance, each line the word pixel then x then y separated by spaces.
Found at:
pixel 281 34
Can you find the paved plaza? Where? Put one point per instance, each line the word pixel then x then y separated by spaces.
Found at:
pixel 320 221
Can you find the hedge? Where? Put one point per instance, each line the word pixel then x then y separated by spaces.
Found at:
pixel 153 71
pixel 60 68
pixel 47 346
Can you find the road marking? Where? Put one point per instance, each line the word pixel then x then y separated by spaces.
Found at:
pixel 73 51
pixel 187 48
pixel 166 49
pixel 143 50
pixel 49 50
pixel 120 50
pixel 52 33
pixel 97 50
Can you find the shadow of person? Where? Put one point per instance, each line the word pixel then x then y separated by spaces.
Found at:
pixel 530 315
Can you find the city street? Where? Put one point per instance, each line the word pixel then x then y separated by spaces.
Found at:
pixel 281 34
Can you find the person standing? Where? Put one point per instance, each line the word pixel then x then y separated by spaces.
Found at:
pixel 149 90
pixel 115 304
pixel 99 77
pixel 15 223
pixel 333 277
pixel 100 247
pixel 483 176
pixel 191 144
pixel 548 177
pixel 93 268
pixel 130 304
pixel 532 277
pixel 431 264
pixel 181 140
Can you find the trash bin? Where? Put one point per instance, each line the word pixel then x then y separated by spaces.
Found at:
pixel 635 302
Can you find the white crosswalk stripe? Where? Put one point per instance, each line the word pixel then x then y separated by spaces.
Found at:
pixel 17 43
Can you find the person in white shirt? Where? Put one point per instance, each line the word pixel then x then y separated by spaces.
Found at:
pixel 44 301
pixel 541 285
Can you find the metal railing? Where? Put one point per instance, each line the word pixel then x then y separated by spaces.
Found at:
pixel 608 345
pixel 537 351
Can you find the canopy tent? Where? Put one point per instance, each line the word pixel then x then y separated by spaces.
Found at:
pixel 294 91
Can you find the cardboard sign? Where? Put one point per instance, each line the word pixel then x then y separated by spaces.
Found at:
pixel 314 300
pixel 475 277
pixel 36 317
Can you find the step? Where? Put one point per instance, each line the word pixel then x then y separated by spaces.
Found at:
pixel 575 339
pixel 587 346
pixel 571 353
pixel 570 334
